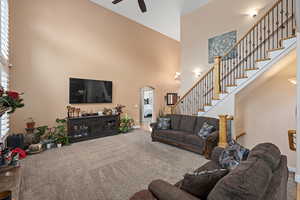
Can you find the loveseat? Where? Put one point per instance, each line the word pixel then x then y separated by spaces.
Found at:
pixel 183 133
pixel 263 176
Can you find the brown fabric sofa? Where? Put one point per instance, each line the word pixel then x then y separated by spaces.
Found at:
pixel 183 134
pixel 263 176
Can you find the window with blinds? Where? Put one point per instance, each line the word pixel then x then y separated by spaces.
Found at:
pixel 4 60
pixel 4 122
pixel 4 36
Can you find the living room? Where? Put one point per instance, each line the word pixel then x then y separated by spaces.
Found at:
pixel 144 99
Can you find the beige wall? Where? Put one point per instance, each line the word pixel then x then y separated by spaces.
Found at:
pixel 53 40
pixel 266 109
pixel 215 18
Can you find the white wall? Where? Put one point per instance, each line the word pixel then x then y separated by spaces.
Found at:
pixel 265 111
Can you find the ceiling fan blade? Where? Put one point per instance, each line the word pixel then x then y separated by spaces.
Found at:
pixel 142 5
pixel 116 1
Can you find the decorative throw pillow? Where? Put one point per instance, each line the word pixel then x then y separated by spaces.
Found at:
pixel 233 155
pixel 201 183
pixel 164 123
pixel 206 130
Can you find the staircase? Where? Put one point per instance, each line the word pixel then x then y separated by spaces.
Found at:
pixel 257 51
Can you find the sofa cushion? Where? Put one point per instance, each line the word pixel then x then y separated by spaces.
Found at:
pixel 267 152
pixel 187 123
pixel 194 140
pixel 201 183
pixel 249 181
pixel 171 135
pixel 200 121
pixel 143 195
pixel 175 121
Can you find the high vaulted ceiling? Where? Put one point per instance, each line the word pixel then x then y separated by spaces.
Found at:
pixel 162 15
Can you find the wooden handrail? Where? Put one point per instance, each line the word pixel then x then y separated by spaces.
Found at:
pixel 254 50
pixel 240 135
pixel 201 79
pixel 253 27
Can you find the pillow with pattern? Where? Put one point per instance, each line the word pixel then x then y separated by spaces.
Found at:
pixel 201 183
pixel 206 130
pixel 164 123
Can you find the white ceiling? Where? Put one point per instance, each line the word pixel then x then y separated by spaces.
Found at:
pixel 162 15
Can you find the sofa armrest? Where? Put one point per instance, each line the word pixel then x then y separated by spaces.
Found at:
pixel 213 137
pixel 154 125
pixel 215 155
pixel 165 191
pixel 210 143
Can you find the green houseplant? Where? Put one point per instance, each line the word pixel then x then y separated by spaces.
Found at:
pixel 61 135
pixel 126 124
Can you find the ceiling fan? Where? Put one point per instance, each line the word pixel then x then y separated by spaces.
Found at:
pixel 141 4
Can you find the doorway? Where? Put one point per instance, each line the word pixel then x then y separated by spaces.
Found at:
pixel 147 105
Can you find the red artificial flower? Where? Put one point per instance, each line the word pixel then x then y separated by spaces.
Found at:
pixel 13 95
pixel 1 91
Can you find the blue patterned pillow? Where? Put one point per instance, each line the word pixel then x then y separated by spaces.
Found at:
pixel 164 123
pixel 206 130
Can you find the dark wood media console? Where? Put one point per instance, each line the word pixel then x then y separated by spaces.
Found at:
pixel 85 128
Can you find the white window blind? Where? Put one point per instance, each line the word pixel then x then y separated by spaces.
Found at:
pixel 4 36
pixel 4 123
pixel 4 60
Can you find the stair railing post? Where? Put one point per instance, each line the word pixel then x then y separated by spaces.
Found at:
pixel 223 131
pixel 217 85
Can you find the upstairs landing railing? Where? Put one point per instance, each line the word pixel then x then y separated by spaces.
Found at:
pixel 278 24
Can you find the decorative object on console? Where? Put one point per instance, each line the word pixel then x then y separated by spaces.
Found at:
pixel 219 45
pixel 72 110
pixel 9 101
pixel 126 124
pixel 107 111
pixel 172 99
pixel 119 109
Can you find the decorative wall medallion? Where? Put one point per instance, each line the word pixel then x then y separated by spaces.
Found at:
pixel 219 45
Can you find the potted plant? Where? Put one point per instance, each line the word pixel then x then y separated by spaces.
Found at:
pixel 126 124
pixel 61 133
pixel 30 124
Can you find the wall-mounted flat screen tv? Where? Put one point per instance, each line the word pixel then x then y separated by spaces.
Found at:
pixel 90 91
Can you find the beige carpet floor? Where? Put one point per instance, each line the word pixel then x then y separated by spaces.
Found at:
pixel 111 168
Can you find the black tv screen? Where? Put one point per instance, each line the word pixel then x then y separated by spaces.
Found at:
pixel 90 91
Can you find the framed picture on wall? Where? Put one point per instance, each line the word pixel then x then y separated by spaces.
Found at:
pixel 172 99
pixel 221 44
